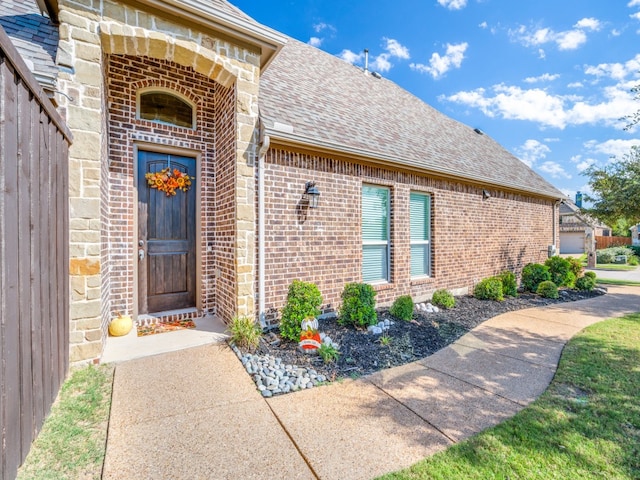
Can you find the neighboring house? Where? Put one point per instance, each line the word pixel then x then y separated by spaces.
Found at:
pixel 576 228
pixel 410 200
pixel 635 235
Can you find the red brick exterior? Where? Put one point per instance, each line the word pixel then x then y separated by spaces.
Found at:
pixel 471 237
pixel 213 140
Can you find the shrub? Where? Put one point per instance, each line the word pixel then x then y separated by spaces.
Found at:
pixel 358 305
pixel 590 275
pixel 245 332
pixel 547 289
pixel 633 261
pixel 560 271
pixel 605 256
pixel 533 274
pixel 303 301
pixel 402 308
pixel 328 352
pixel 635 249
pixel 443 298
pixel 586 283
pixel 489 289
pixel 509 284
pixel 575 265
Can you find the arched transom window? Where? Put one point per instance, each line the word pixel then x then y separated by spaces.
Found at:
pixel 165 106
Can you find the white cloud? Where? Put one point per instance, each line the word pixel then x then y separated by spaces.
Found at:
pixel 542 54
pixel 565 40
pixel 395 49
pixel 321 26
pixel 635 16
pixel 350 57
pixel 589 24
pixel 532 151
pixel 554 169
pixel 616 71
pixel 381 63
pixel 439 65
pixel 483 25
pixel 616 33
pixel 315 41
pixel 633 3
pixel 575 85
pixel 545 77
pixel 453 4
pixel 606 106
pixel 613 147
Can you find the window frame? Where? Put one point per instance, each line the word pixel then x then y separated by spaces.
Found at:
pixel 168 91
pixel 426 243
pixel 387 242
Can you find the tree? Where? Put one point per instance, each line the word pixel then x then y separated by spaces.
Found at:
pixel 616 189
pixel 634 118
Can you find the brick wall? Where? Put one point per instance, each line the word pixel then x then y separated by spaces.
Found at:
pixel 472 237
pixel 215 132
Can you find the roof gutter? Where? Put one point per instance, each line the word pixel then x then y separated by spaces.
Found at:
pixel 288 138
pixel 269 41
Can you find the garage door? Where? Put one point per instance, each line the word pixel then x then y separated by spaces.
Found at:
pixel 572 242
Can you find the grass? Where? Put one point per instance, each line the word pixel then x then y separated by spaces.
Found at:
pixel 615 281
pixel 586 425
pixel 71 444
pixel 617 267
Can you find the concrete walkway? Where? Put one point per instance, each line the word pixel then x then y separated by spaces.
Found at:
pixel 195 413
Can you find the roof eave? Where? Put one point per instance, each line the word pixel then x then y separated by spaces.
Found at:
pixel 293 140
pixel 268 40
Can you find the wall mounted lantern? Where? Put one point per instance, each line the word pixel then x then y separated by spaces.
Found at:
pixel 486 194
pixel 311 195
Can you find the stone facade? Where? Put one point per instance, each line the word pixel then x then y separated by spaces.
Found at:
pixel 92 34
pixel 471 237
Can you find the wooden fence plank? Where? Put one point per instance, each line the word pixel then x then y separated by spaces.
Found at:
pixel 606 242
pixel 36 286
pixel 11 337
pixel 24 268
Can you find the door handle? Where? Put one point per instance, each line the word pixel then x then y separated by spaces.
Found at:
pixel 141 254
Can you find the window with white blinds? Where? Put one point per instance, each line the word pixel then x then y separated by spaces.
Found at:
pixel 420 220
pixel 375 234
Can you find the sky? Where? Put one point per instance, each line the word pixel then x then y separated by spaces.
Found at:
pixel 548 80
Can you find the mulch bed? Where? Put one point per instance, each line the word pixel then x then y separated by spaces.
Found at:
pixel 362 353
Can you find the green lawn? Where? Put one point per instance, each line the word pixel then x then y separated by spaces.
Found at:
pixel 615 281
pixel 585 426
pixel 71 444
pixel 615 267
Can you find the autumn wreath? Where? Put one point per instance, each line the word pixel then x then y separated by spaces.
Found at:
pixel 168 181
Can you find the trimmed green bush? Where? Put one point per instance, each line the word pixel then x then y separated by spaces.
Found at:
pixel 561 271
pixel 402 308
pixel 358 305
pixel 633 261
pixel 605 256
pixel 489 289
pixel 443 298
pixel 575 265
pixel 245 332
pixel 509 283
pixel 303 301
pixel 533 274
pixel 547 289
pixel 585 283
pixel 590 275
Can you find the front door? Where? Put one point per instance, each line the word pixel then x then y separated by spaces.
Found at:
pixel 166 237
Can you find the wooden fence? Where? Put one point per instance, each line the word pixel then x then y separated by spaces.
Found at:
pixel 606 242
pixel 34 257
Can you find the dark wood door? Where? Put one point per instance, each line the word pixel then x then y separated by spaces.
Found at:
pixel 166 237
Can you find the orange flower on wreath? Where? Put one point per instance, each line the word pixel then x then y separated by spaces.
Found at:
pixel 168 181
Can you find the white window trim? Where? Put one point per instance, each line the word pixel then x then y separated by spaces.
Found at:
pixel 426 242
pixel 387 243
pixel 168 91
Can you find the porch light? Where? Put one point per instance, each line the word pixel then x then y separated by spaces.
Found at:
pixel 311 195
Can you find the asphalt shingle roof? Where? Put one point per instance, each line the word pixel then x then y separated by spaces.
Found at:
pixel 316 97
pixel 34 36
